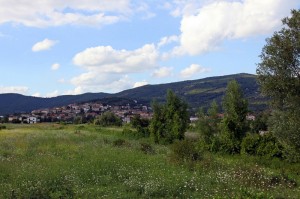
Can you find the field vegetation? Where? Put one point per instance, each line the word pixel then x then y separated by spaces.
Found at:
pixel 88 161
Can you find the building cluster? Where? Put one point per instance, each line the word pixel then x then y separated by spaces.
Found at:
pixel 85 111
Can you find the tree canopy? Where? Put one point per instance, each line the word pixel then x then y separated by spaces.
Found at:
pixel 279 76
pixel 170 120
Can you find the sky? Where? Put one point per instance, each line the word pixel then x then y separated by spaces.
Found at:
pixel 53 47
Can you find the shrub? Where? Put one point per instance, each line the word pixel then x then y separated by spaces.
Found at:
pixel 265 145
pixel 250 144
pixel 184 151
pixel 108 119
pixel 119 142
pixel 228 144
pixel 146 148
pixel 2 127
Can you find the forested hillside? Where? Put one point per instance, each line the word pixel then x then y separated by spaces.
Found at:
pixel 196 93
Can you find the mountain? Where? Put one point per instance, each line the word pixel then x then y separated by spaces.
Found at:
pixel 16 103
pixel 196 92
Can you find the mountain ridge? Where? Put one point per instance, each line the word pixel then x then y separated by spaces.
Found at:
pixel 196 93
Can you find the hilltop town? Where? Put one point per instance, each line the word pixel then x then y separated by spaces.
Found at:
pixel 83 112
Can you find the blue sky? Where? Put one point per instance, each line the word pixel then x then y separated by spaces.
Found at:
pixel 53 47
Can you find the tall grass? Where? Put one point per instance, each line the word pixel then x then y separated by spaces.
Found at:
pixel 69 161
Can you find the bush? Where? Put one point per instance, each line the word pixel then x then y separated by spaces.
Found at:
pixel 250 144
pixel 146 148
pixel 119 142
pixel 2 127
pixel 184 151
pixel 108 119
pixel 265 145
pixel 228 144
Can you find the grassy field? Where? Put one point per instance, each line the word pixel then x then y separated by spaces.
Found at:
pixel 86 161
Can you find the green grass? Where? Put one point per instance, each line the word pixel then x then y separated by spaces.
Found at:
pixel 82 161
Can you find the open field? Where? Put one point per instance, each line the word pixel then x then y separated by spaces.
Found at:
pixel 86 161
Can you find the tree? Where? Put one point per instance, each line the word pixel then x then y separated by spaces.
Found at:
pixel 170 120
pixel 234 125
pixel 279 77
pixel 141 125
pixel 207 124
pixel 108 119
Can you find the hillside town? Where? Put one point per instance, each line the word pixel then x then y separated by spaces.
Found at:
pixel 85 112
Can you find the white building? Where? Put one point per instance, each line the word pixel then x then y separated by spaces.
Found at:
pixel 32 120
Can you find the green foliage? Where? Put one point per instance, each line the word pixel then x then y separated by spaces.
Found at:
pixel 141 125
pixel 208 125
pixel 234 124
pixel 184 151
pixel 108 119
pixel 146 148
pixel 2 127
pixel 50 161
pixel 279 76
pixel 79 120
pixel 260 123
pixel 250 144
pixel 286 127
pixel 170 120
pixel 119 142
pixel 265 145
pixel 128 132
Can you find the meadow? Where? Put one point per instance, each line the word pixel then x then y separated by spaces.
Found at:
pixel 87 161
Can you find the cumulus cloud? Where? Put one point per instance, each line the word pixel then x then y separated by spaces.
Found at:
pixel 46 13
pixel 108 60
pixel 55 66
pixel 206 28
pixel 14 89
pixel 139 84
pixel 192 70
pixel 162 72
pixel 89 82
pixel 107 68
pixel 46 44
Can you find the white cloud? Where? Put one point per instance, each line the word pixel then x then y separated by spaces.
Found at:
pixel 53 94
pixel 44 13
pixel 55 66
pixel 95 82
pixel 162 72
pixel 107 69
pixel 139 84
pixel 46 44
pixel 184 7
pixel 167 40
pixel 36 95
pixel 217 21
pixel 14 89
pixel 192 70
pixel 105 59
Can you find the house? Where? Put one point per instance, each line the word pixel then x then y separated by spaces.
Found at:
pixel 250 117
pixel 32 120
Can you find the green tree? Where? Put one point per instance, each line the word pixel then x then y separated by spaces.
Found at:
pixel 234 125
pixel 279 77
pixel 108 119
pixel 207 124
pixel 170 120
pixel 141 125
